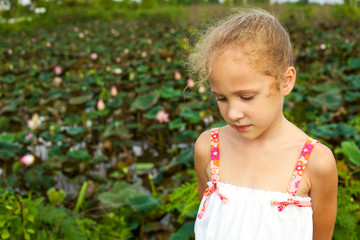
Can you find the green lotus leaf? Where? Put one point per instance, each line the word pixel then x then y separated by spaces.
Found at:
pixel 143 202
pixel 80 100
pixel 352 151
pixel 177 123
pixel 168 92
pixel 73 131
pixel 118 195
pixel 145 102
pixel 79 155
pixel 331 99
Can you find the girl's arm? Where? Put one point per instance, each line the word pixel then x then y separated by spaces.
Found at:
pixel 323 193
pixel 202 159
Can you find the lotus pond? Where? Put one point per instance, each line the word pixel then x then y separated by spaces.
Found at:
pixel 98 121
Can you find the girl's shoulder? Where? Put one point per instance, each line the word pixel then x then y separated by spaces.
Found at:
pixel 322 161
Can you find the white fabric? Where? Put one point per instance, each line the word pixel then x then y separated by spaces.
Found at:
pixel 248 215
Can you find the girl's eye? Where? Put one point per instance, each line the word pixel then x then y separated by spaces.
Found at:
pixel 248 98
pixel 221 99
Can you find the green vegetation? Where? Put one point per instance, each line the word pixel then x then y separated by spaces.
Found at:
pixel 98 118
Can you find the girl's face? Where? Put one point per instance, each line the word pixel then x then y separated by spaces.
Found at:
pixel 246 100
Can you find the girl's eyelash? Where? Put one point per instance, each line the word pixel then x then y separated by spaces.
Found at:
pixel 247 98
pixel 244 98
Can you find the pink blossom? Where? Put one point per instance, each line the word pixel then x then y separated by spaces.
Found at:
pixel 29 135
pixel 27 159
pixel 100 105
pixel 347 41
pixel 149 41
pixel 57 81
pixel 322 46
pixel 113 91
pixel 48 44
pixel 35 122
pixel 126 51
pixel 57 70
pixel 86 32
pixel 10 51
pixel 143 54
pixel 76 29
pixel 23 52
pixel 81 35
pixel 190 83
pixel 162 116
pixel 93 56
pixel 202 89
pixel 177 75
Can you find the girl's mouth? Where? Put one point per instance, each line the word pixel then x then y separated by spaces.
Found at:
pixel 242 127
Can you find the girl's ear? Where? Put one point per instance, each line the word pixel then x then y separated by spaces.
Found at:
pixel 289 82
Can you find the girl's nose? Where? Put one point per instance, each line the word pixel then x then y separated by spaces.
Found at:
pixel 235 113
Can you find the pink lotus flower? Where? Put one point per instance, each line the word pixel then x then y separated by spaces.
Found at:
pixel 190 83
pixel 322 46
pixel 177 75
pixel 81 35
pixel 143 54
pixel 86 32
pixel 35 122
pixel 347 41
pixel 48 44
pixel 10 51
pixel 149 41
pixel 57 81
pixel 29 135
pixel 93 56
pixel 162 116
pixel 76 29
pixel 22 52
pixel 100 105
pixel 57 70
pixel 113 91
pixel 202 89
pixel 27 159
pixel 117 71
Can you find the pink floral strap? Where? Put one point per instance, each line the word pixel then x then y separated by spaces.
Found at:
pixel 215 172
pixel 296 177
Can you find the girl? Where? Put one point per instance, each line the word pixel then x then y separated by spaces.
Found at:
pixel 259 177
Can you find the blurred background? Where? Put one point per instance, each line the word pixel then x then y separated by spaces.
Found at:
pixel 98 115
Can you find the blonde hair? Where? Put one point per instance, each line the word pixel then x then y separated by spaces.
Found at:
pixel 260 35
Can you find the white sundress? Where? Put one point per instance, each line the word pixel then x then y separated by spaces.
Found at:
pixel 239 213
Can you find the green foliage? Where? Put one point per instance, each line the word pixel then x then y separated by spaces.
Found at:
pixel 184 200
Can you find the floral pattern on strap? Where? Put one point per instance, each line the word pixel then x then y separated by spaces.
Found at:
pixel 296 178
pixel 215 172
pixel 290 201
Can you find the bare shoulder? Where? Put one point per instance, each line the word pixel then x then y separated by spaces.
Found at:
pixel 202 146
pixel 322 161
pixel 202 160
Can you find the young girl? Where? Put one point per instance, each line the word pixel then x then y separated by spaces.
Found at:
pixel 259 177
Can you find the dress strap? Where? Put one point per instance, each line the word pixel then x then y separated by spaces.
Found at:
pixel 296 177
pixel 215 172
pixel 300 166
pixel 214 154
